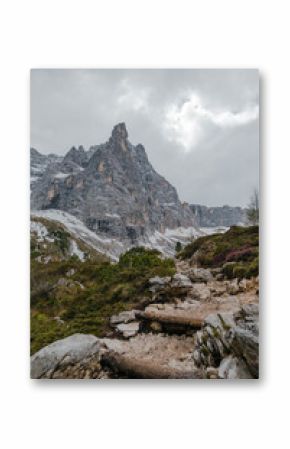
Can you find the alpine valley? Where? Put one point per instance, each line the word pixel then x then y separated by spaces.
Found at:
pixel 129 282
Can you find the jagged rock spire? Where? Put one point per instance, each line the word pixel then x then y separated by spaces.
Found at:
pixel 119 132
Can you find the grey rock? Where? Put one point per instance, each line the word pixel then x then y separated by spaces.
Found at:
pixel 181 280
pixel 211 373
pixel 245 344
pixel 113 190
pixel 159 281
pixel 200 275
pixel 128 330
pixel 39 163
pixel 230 342
pixel 221 320
pixel 123 317
pixel 233 368
pixel 60 354
pixel 58 320
pixel 62 282
pixel 218 216
pixel 233 287
pixel 200 292
pixel 219 277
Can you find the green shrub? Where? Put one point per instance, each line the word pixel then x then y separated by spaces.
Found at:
pixel 238 244
pixel 253 268
pixel 178 247
pixel 107 289
pixel 62 239
pixel 239 271
pixel 227 269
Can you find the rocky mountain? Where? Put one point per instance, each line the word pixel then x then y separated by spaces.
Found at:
pixel 218 216
pixel 113 190
pixel 39 163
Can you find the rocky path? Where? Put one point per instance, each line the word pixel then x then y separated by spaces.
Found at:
pixel 196 326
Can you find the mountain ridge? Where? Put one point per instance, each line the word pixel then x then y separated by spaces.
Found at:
pixel 116 191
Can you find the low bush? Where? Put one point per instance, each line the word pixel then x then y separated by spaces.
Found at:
pixel 86 299
pixel 236 251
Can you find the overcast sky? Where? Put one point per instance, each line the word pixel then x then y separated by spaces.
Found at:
pixel 200 128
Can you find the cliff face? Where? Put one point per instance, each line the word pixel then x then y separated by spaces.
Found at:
pixel 218 216
pixel 39 163
pixel 114 190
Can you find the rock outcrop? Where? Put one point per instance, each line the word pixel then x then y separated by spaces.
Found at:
pixel 218 216
pixel 77 356
pixel 227 346
pixel 39 163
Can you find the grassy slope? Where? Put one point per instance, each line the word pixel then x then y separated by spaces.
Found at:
pixel 236 251
pixel 86 299
pixel 59 249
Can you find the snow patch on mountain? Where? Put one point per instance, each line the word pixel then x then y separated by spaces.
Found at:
pixel 109 247
pixel 75 250
pixel 164 242
pixel 39 229
pixel 61 175
pixel 214 230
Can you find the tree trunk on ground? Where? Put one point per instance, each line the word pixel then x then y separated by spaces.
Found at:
pixel 145 369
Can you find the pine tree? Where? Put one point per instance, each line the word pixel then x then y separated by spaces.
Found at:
pixel 253 208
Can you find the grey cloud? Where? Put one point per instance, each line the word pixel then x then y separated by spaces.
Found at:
pixel 73 107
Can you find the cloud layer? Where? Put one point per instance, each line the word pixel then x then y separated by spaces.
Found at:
pixel 200 127
pixel 187 124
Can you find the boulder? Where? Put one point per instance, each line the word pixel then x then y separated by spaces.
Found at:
pixel 128 330
pixel 245 341
pixel 159 281
pixel 220 320
pixel 230 341
pixel 233 287
pixel 233 368
pixel 123 317
pixel 219 277
pixel 246 346
pixel 77 356
pixel 200 275
pixel 158 284
pixel 200 292
pixel 166 288
pixel 62 282
pixel 217 288
pixel 181 280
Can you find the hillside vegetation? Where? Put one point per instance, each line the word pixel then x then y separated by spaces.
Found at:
pixel 69 296
pixel 236 252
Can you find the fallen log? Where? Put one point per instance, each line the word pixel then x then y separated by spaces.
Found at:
pixel 176 317
pixel 136 368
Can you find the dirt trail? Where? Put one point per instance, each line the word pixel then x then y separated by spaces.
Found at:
pixel 164 343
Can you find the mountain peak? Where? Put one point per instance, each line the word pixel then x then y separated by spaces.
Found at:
pixel 119 132
pixel 117 194
pixel 76 155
